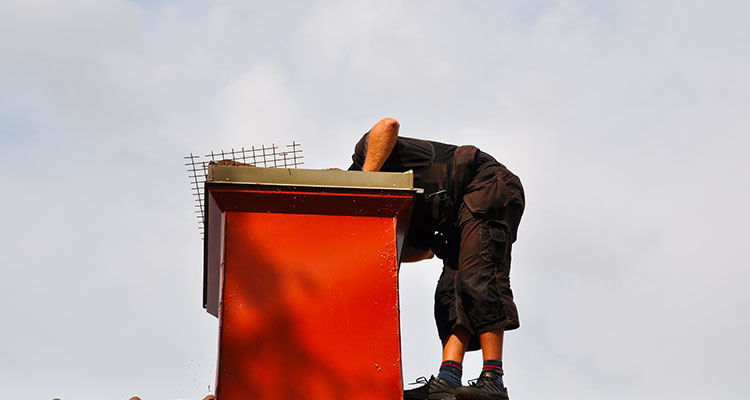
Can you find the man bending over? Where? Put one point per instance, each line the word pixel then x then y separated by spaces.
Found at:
pixel 468 216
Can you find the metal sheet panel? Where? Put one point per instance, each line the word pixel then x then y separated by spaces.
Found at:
pixel 305 281
pixel 310 308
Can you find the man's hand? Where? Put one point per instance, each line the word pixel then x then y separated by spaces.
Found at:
pixel 410 254
pixel 233 163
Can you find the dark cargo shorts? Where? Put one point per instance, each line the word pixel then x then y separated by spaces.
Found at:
pixel 476 293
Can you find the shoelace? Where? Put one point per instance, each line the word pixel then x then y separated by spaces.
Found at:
pixel 420 381
pixel 477 382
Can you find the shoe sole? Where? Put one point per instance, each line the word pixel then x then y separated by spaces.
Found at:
pixel 463 396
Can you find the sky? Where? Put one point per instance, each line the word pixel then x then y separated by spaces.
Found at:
pixel 627 122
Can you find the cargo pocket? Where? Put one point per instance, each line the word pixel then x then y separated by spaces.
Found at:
pixel 486 195
pixel 494 240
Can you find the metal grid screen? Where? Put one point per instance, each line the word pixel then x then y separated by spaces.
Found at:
pixel 290 156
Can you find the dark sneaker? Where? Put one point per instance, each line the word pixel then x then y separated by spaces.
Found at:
pixel 487 387
pixel 434 389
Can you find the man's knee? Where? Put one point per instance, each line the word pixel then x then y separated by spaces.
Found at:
pixel 481 296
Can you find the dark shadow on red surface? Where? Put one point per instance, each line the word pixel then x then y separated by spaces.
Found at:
pixel 269 349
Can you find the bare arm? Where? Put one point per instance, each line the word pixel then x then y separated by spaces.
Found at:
pixel 382 139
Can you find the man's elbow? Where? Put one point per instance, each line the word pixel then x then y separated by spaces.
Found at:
pixel 389 124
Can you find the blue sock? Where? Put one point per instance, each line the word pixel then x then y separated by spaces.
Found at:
pixel 496 368
pixel 451 371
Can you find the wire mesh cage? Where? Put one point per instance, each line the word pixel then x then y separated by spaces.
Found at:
pixel 289 156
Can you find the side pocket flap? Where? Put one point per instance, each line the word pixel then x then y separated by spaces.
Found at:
pixel 474 201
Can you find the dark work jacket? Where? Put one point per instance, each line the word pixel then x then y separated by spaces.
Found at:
pixel 442 179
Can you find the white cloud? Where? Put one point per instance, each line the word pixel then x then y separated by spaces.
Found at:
pixel 258 106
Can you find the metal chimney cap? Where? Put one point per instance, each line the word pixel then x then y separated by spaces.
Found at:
pixel 310 177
